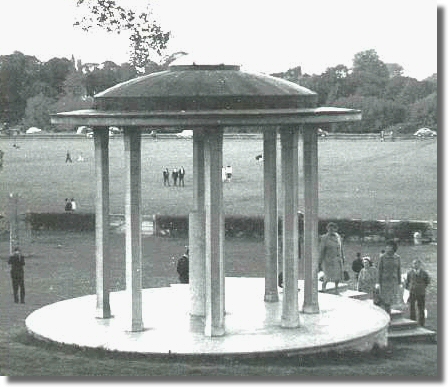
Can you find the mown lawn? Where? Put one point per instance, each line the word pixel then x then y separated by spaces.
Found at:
pixel 364 179
pixel 61 266
pixel 359 179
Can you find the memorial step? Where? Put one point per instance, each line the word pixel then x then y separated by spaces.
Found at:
pixel 416 334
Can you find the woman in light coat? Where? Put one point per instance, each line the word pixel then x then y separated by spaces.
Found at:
pixel 389 275
pixel 367 277
pixel 331 256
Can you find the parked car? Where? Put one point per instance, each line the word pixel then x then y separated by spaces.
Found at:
pixel 322 133
pixel 188 133
pixel 33 130
pixel 425 132
pixel 112 132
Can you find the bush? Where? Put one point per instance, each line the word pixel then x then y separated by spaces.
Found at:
pixel 253 227
pixel 61 221
pixel 243 226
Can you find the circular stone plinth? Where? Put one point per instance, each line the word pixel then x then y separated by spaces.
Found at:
pixel 253 327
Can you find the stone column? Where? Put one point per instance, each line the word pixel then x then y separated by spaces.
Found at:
pixel 214 234
pixel 270 214
pixel 290 182
pixel 132 150
pixel 103 270
pixel 311 237
pixel 196 229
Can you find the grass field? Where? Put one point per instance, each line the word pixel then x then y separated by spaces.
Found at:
pixel 364 179
pixel 61 266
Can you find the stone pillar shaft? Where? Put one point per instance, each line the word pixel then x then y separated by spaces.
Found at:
pixel 311 191
pixel 290 180
pixel 133 221
pixel 214 234
pixel 196 229
pixel 270 214
pixel 103 272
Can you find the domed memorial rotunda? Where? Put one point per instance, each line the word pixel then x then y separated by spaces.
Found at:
pixel 207 99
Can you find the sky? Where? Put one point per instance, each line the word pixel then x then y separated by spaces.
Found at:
pixel 260 35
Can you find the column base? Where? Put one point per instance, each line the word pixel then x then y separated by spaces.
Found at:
pixel 290 322
pixel 137 327
pixel 214 331
pixel 271 297
pixel 311 309
pixel 100 314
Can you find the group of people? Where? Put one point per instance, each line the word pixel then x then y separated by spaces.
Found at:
pixel 177 175
pixel 382 281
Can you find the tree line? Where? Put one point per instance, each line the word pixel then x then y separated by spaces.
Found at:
pixel 389 101
pixel 31 90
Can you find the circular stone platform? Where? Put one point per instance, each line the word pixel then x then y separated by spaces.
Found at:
pixel 252 325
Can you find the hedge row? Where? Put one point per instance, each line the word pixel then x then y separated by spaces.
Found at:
pixel 350 229
pixel 243 226
pixel 60 221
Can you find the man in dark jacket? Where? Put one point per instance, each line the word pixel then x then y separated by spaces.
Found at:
pixel 417 280
pixel 17 261
pixel 183 267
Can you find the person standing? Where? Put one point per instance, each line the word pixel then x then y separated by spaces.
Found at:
pixel 181 176
pixel 357 265
pixel 68 205
pixel 166 177
pixel 389 275
pixel 367 277
pixel 183 267
pixel 331 256
pixel 68 158
pixel 174 175
pixel 17 261
pixel 416 282
pixel 73 203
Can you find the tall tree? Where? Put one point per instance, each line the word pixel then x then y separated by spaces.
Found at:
pixel 146 36
pixel 37 112
pixel 424 112
pixel 18 75
pixel 369 74
pixel 54 72
pixel 395 70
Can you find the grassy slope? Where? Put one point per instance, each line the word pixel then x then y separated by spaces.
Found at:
pixel 363 179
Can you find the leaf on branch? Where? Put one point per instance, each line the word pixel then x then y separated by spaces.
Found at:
pixel 145 37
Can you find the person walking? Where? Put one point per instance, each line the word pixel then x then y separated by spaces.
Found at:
pixel 68 158
pixel 17 261
pixel 331 256
pixel 389 275
pixel 181 173
pixel 416 282
pixel 367 277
